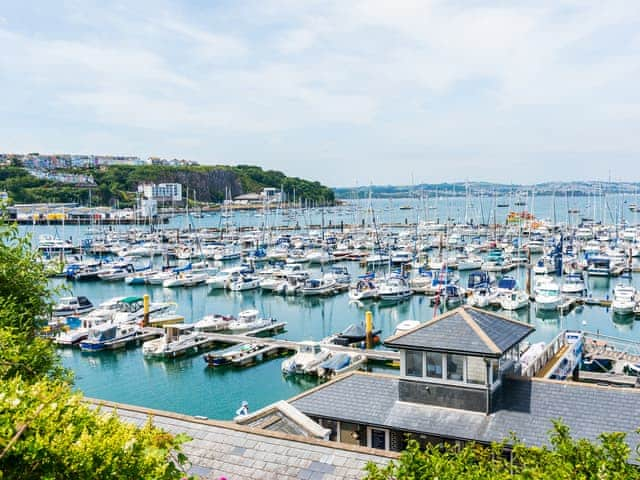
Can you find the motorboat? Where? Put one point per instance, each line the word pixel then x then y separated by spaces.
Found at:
pixel 394 288
pixel 514 300
pixel 235 354
pixel 225 276
pixel 108 335
pixel 244 282
pixel 131 309
pixel 213 323
pixel 452 295
pixel 544 266
pixel 364 289
pixel 624 299
pixel 471 262
pixel 405 326
pixel 318 286
pixel 573 284
pixel 177 340
pixel 481 297
pixel 401 257
pixel 319 257
pixel 354 334
pixel 548 296
pixel 68 306
pixel 185 279
pixel 340 274
pixel 339 363
pixel 307 359
pixel 249 320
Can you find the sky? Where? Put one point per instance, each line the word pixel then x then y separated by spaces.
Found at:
pixel 344 92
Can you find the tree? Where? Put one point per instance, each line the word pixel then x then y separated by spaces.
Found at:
pixel 46 430
pixel 564 459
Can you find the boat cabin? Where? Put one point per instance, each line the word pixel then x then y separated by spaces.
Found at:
pixel 130 304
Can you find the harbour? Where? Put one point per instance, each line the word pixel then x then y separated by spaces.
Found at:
pixel 311 317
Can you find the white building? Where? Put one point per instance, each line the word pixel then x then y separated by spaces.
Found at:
pixel 168 192
pixel 271 195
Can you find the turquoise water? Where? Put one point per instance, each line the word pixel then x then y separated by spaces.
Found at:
pixel 186 385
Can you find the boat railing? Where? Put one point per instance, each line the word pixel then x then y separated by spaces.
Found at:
pixel 547 354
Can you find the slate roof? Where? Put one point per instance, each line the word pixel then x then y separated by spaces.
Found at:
pixel 241 453
pixel 525 407
pixel 464 330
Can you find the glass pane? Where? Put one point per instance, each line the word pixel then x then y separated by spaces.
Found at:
pixel 496 369
pixel 476 371
pixel 413 363
pixel 378 439
pixel 434 365
pixel 455 364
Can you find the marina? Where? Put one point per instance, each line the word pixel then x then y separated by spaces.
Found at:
pixel 434 259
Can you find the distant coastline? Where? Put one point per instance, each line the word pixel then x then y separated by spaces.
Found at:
pixel 461 189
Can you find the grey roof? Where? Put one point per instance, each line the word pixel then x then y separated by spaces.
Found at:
pixel 240 453
pixel 525 407
pixel 464 330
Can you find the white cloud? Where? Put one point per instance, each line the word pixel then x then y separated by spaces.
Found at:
pixel 380 79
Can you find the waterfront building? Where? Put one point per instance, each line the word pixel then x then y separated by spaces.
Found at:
pixel 461 380
pixel 162 192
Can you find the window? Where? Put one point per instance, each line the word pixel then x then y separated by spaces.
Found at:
pixel 434 365
pixel 455 365
pixel 476 371
pixel 495 369
pixel 413 363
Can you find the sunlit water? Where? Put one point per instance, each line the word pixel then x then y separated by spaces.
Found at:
pixel 188 386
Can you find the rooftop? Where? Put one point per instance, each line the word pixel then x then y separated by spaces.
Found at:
pixel 464 330
pixel 525 406
pixel 238 452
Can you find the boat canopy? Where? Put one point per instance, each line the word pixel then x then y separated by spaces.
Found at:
pixel 507 283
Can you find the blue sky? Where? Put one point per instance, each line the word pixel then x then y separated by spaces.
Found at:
pixel 345 92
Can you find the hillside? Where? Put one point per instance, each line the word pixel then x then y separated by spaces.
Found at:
pixel 119 184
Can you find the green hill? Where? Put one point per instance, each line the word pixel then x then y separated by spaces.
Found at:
pixel 119 184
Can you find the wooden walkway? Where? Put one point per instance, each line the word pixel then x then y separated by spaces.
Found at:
pixel 371 354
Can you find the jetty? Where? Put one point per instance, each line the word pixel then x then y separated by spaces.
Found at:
pixel 370 353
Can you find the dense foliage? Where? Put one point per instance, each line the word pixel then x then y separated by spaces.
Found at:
pixel 46 431
pixel 564 459
pixel 118 184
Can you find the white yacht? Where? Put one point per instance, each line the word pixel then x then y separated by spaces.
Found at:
pixel 471 262
pixel 514 300
pixel 318 286
pixel 185 279
pixel 573 284
pixel 176 340
pixel 67 306
pixel 405 326
pixel 307 360
pixel 249 320
pixel 624 299
pixel 213 323
pixel 548 296
pixel 244 282
pixel 225 276
pixel 364 289
pixel 394 289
